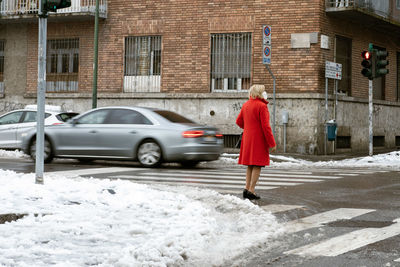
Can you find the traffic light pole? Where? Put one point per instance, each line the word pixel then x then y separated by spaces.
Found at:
pixel 371 152
pixel 41 97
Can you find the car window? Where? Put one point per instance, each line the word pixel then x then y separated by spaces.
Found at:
pixel 95 117
pixel 30 116
pixel 126 116
pixel 11 118
pixel 66 116
pixel 173 117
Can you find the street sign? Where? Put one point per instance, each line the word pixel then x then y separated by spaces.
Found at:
pixel 333 70
pixel 266 44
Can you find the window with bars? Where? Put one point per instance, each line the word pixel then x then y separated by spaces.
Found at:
pixel 142 64
pixel 398 76
pixel 2 44
pixel 343 56
pixel 230 61
pixel 62 65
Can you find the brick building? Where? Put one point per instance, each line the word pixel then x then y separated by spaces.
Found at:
pixel 200 57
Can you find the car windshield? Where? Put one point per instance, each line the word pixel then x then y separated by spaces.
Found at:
pixel 66 116
pixel 172 116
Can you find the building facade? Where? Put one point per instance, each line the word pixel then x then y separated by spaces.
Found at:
pixel 199 58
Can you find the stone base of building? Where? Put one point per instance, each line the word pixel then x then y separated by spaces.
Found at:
pixel 305 130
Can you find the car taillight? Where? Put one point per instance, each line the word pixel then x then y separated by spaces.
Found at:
pixel 192 134
pixel 219 135
pixel 57 123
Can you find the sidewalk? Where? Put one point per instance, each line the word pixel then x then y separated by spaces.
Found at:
pixel 234 153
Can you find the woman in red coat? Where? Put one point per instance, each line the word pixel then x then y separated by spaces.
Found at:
pixel 257 138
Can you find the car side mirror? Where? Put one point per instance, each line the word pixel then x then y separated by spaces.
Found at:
pixel 74 121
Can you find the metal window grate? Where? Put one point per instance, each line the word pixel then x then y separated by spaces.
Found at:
pixel 230 140
pixel 230 61
pixel 379 141
pixel 142 64
pixel 62 65
pixel 343 142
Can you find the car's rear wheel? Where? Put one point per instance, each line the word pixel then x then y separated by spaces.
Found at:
pixel 48 154
pixel 149 153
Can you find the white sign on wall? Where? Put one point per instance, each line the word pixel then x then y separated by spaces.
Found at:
pixel 333 70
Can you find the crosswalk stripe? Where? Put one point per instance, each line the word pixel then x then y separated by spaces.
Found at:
pixel 262 175
pixel 92 171
pixel 348 242
pixel 269 171
pixel 190 180
pixel 319 219
pixel 208 186
pixel 220 177
pixel 275 208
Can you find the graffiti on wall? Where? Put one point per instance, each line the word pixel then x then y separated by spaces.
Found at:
pixel 237 106
pixel 9 106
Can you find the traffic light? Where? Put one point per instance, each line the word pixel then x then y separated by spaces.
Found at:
pixel 381 63
pixel 368 64
pixel 53 5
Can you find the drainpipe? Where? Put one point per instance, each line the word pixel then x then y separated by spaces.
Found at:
pixel 95 60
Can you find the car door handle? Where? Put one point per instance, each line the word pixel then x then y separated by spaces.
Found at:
pixel 93 131
pixel 133 132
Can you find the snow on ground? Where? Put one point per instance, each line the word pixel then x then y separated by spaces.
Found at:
pixel 387 160
pixel 78 222
pixel 12 154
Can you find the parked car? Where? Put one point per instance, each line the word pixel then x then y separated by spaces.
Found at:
pixel 13 124
pixel 148 135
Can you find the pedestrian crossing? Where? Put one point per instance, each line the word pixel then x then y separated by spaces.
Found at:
pixel 223 181
pixel 336 245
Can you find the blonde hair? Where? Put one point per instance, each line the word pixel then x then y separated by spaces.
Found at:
pixel 256 91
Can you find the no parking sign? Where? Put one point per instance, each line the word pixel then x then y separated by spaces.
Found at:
pixel 266 44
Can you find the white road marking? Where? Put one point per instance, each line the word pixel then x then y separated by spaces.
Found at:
pixel 208 186
pixel 319 219
pixel 398 260
pixel 347 242
pixel 243 175
pixel 198 180
pixel 92 171
pixel 274 208
pixel 217 176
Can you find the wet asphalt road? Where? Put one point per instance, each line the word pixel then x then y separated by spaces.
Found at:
pixel 377 192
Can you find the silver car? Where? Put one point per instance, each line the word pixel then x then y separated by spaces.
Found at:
pixel 17 122
pixel 148 135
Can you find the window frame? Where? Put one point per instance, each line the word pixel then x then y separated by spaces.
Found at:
pixel 63 64
pixel 245 55
pixel 347 59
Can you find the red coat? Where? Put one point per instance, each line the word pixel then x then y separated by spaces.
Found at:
pixel 257 134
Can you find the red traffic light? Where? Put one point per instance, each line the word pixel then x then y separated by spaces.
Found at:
pixel 366 55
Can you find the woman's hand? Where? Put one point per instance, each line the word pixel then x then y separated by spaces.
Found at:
pixel 272 149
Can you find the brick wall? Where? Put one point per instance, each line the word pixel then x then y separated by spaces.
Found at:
pixel 185 27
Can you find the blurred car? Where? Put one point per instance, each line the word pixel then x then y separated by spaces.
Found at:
pixel 13 124
pixel 148 135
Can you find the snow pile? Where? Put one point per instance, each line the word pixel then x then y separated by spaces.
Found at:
pixel 78 222
pixel 12 154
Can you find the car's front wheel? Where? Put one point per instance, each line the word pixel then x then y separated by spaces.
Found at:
pixel 47 151
pixel 149 153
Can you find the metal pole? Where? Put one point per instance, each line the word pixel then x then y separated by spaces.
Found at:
pixel 41 97
pixel 371 135
pixel 274 93
pixel 95 60
pixel 284 138
pixel 326 115
pixel 336 108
